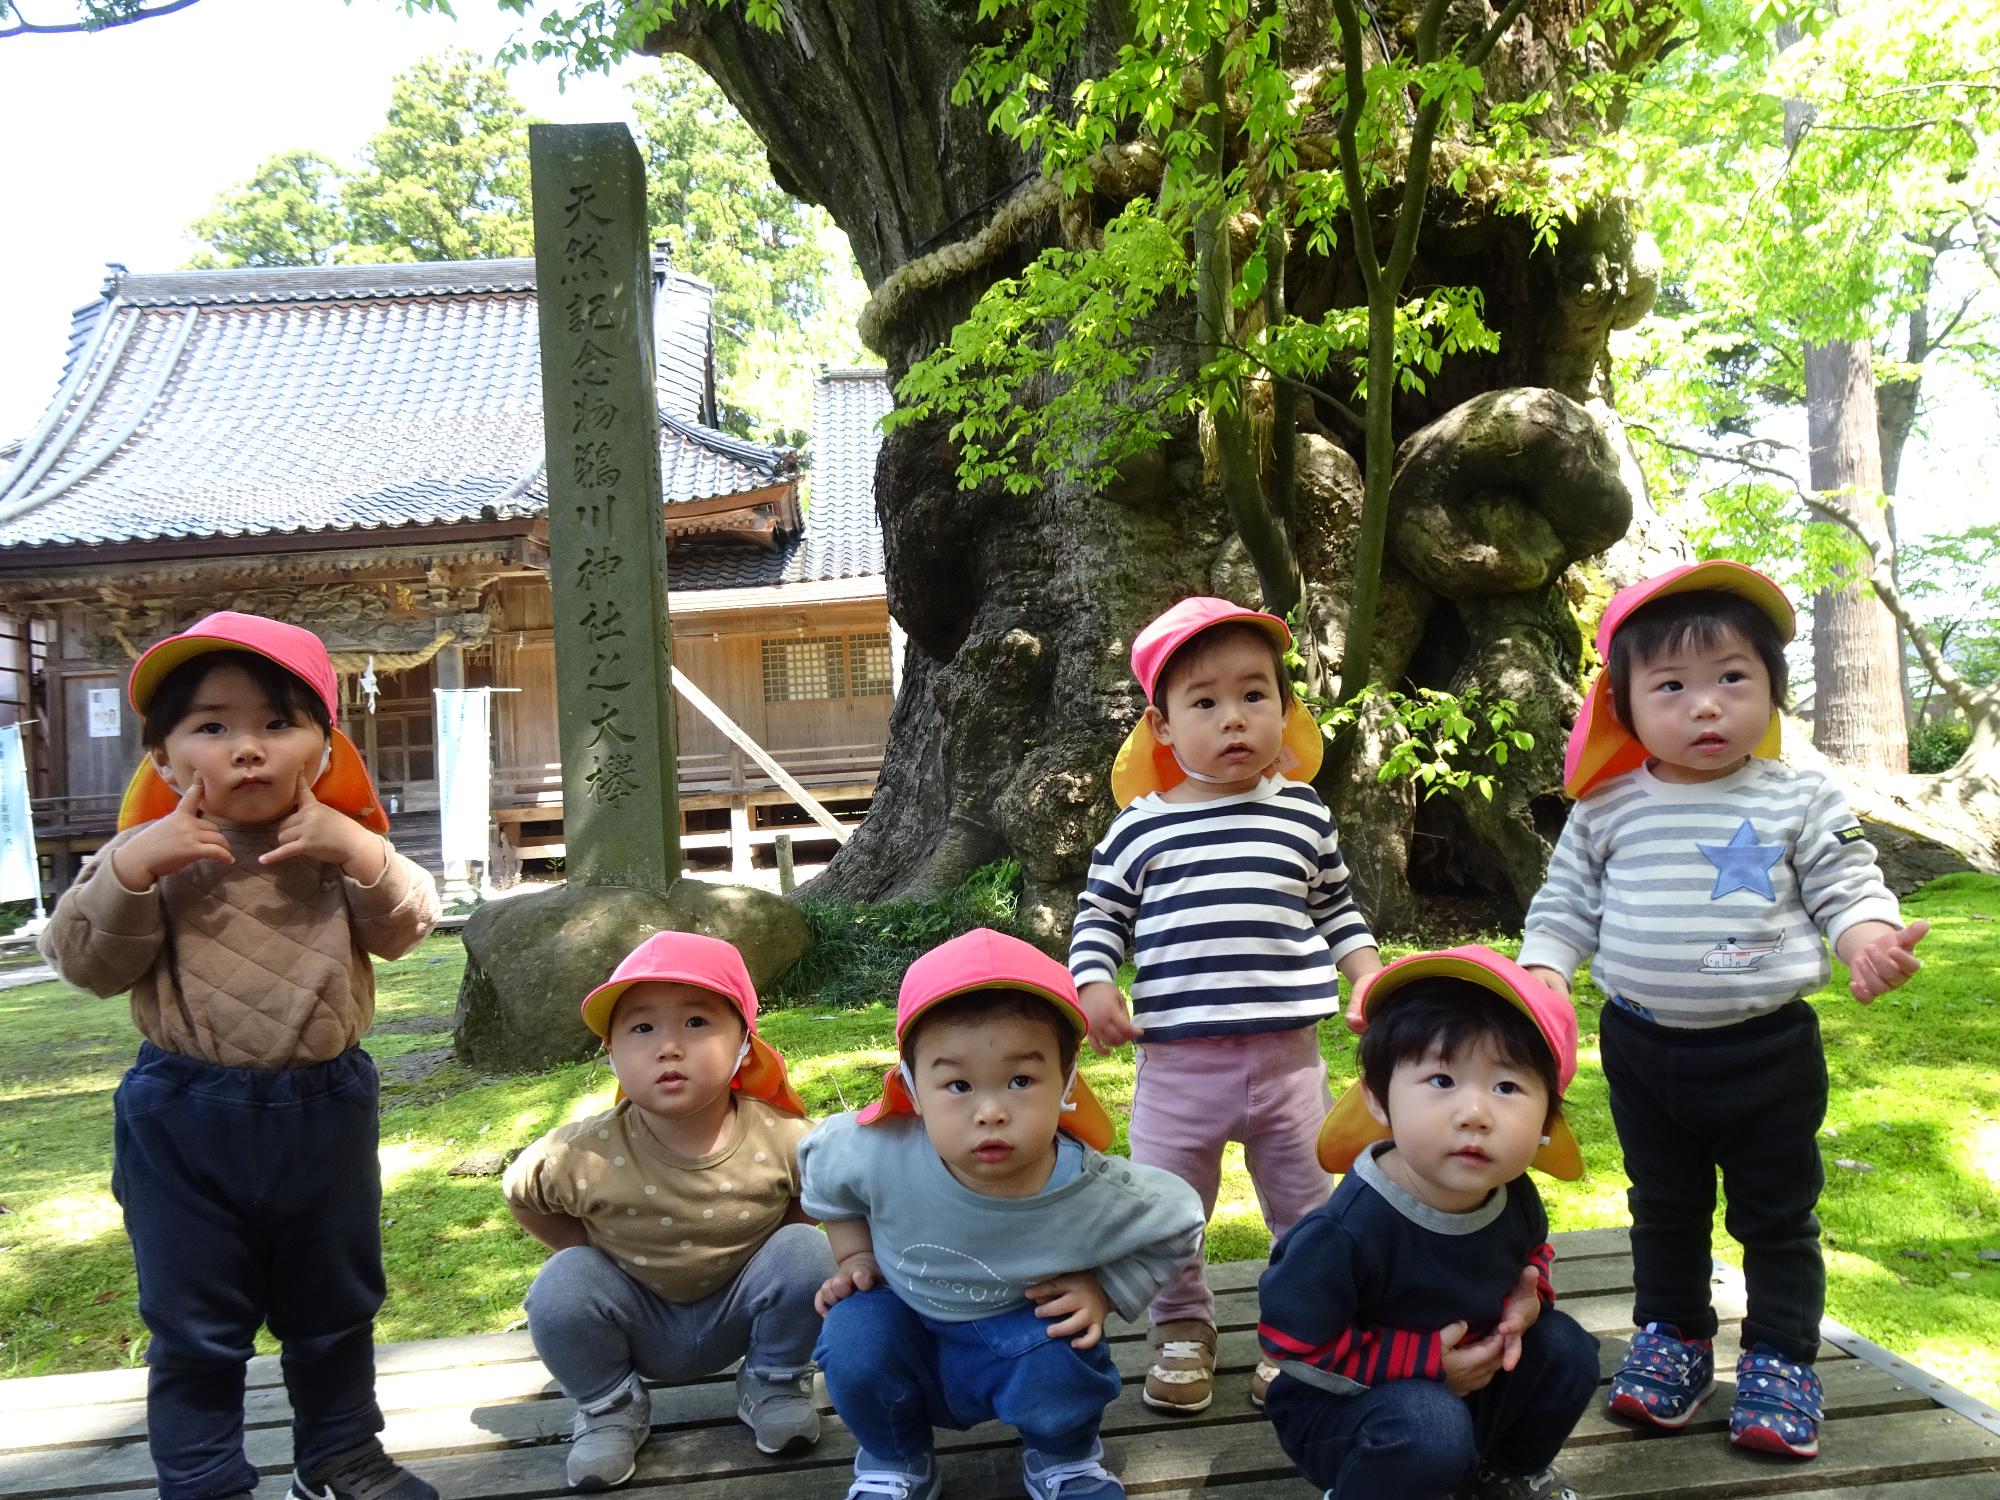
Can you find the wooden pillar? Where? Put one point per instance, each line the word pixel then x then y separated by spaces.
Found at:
pixel 742 859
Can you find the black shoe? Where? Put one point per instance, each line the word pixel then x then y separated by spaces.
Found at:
pixel 364 1473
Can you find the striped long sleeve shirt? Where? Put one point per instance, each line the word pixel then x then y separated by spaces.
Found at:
pixel 1358 1289
pixel 1236 910
pixel 1703 904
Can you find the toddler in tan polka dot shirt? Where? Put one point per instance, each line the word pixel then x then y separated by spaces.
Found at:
pixel 679 1243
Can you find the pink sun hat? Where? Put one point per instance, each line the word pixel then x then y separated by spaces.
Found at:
pixel 708 964
pixel 1143 764
pixel 1599 746
pixel 344 783
pixel 983 959
pixel 1349 1128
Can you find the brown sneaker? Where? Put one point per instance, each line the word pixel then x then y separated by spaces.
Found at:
pixel 1260 1382
pixel 1181 1378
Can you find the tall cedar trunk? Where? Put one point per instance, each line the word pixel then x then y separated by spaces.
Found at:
pixel 1020 610
pixel 1858 689
pixel 1857 649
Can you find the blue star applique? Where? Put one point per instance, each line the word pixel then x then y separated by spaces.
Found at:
pixel 1743 864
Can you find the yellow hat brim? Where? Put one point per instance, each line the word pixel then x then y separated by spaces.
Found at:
pixel 1349 1129
pixel 1144 765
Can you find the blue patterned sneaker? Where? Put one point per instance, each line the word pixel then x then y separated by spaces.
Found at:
pixel 1778 1405
pixel 1085 1479
pixel 1665 1377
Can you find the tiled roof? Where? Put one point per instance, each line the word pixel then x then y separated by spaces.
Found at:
pixel 842 537
pixel 258 402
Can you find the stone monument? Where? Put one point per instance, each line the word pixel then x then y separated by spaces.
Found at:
pixel 530 959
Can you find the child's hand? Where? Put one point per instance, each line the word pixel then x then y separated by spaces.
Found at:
pixel 1517 1315
pixel 182 838
pixel 856 1273
pixel 1550 979
pixel 1103 1006
pixel 1078 1301
pixel 316 831
pixel 1469 1367
pixel 1357 992
pixel 1885 963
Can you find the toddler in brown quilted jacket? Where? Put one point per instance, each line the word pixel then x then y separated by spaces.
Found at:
pixel 239 902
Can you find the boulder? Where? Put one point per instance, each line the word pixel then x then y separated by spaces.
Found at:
pixel 530 960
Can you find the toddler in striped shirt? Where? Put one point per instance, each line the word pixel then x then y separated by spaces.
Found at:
pixel 1698 876
pixel 1223 876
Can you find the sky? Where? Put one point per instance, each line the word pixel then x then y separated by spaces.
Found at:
pixel 112 144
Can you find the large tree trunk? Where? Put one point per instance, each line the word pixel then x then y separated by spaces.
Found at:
pixel 1857 650
pixel 1019 611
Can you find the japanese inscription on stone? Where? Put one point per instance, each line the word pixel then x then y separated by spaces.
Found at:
pixel 607 542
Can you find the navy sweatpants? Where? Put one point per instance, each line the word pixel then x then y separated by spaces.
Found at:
pixel 251 1196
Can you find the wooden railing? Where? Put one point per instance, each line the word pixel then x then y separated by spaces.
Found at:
pixel 715 771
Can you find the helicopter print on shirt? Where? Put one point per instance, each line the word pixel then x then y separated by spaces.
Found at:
pixel 1730 956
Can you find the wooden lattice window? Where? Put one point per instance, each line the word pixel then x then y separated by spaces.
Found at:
pixel 869 667
pixel 805 667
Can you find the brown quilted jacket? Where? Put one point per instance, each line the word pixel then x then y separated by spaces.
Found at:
pixel 244 965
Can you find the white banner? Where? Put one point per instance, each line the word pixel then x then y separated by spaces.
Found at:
pixel 20 872
pixel 465 776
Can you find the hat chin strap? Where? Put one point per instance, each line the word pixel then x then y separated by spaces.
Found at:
pixel 910 1083
pixel 742 1052
pixel 1193 775
pixel 325 760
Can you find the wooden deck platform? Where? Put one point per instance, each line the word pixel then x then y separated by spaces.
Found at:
pixel 480 1419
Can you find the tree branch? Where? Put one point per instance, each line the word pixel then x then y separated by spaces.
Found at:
pixel 1256 521
pixel 25 27
pixel 1882 580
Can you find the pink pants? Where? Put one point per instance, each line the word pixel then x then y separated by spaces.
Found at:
pixel 1192 1098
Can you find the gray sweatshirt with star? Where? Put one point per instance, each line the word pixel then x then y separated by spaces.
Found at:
pixel 1704 905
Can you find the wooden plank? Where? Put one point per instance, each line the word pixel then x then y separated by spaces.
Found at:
pixel 1233 1281
pixel 1854 1453
pixel 710 1400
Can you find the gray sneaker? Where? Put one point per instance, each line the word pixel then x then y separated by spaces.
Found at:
pixel 363 1473
pixel 778 1409
pixel 605 1442
pixel 1491 1484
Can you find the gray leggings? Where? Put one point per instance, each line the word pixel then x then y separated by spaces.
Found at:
pixel 593 1325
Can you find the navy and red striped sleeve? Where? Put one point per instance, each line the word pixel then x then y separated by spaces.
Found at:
pixel 1542 1260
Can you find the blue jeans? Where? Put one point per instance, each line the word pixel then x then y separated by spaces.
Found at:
pixel 251 1196
pixel 1415 1440
pixel 895 1374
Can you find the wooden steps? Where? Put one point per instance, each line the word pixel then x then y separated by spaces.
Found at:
pixel 479 1418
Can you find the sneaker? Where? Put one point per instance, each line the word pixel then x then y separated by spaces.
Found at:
pixel 1492 1484
pixel 604 1443
pixel 873 1482
pixel 1260 1382
pixel 1085 1479
pixel 1182 1375
pixel 1778 1405
pixel 364 1473
pixel 1665 1377
pixel 778 1409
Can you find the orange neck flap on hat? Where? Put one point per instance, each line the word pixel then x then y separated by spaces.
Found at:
pixel 344 784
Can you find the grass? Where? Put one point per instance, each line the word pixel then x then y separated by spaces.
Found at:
pixel 1915 1098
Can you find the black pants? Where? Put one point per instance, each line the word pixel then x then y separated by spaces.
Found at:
pixel 1415 1440
pixel 251 1196
pixel 1749 1099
